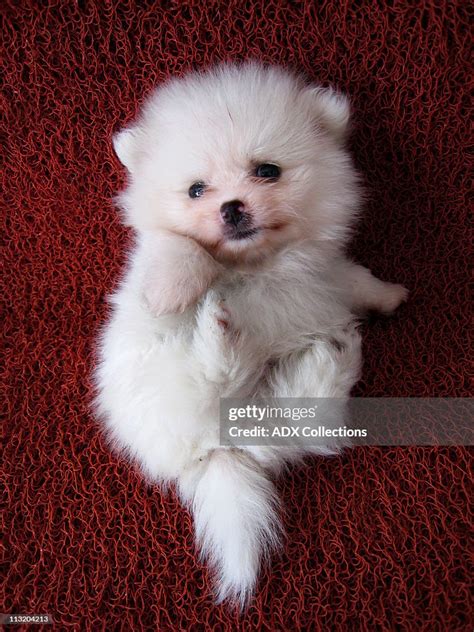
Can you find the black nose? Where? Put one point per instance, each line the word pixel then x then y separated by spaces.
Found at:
pixel 232 212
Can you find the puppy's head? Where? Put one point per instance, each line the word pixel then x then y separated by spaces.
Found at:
pixel 243 159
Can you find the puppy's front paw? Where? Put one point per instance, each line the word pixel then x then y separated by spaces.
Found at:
pixel 221 319
pixel 222 316
pixel 391 296
pixel 177 276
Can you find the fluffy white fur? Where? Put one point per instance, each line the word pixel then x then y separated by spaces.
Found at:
pixel 199 315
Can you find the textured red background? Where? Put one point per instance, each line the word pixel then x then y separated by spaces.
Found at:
pixel 377 539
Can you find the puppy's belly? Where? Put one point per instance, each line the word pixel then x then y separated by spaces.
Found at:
pixel 285 317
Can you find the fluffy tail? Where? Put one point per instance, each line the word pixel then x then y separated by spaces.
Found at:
pixel 236 519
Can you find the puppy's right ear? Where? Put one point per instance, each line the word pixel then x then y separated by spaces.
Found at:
pixel 331 109
pixel 125 145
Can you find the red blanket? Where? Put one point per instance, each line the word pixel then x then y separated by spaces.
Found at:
pixel 376 539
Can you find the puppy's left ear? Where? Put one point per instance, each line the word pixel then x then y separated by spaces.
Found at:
pixel 331 110
pixel 125 145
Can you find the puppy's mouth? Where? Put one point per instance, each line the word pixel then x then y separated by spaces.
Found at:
pixel 239 234
pixel 243 232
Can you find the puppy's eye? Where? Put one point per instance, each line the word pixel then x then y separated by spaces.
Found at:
pixel 196 190
pixel 268 171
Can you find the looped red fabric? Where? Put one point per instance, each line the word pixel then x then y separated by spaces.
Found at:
pixel 377 538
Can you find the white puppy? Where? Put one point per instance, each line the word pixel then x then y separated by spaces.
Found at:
pixel 242 196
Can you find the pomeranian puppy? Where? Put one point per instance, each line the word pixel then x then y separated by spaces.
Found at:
pixel 242 196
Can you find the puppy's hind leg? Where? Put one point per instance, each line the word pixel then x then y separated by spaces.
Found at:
pixel 327 370
pixel 366 292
